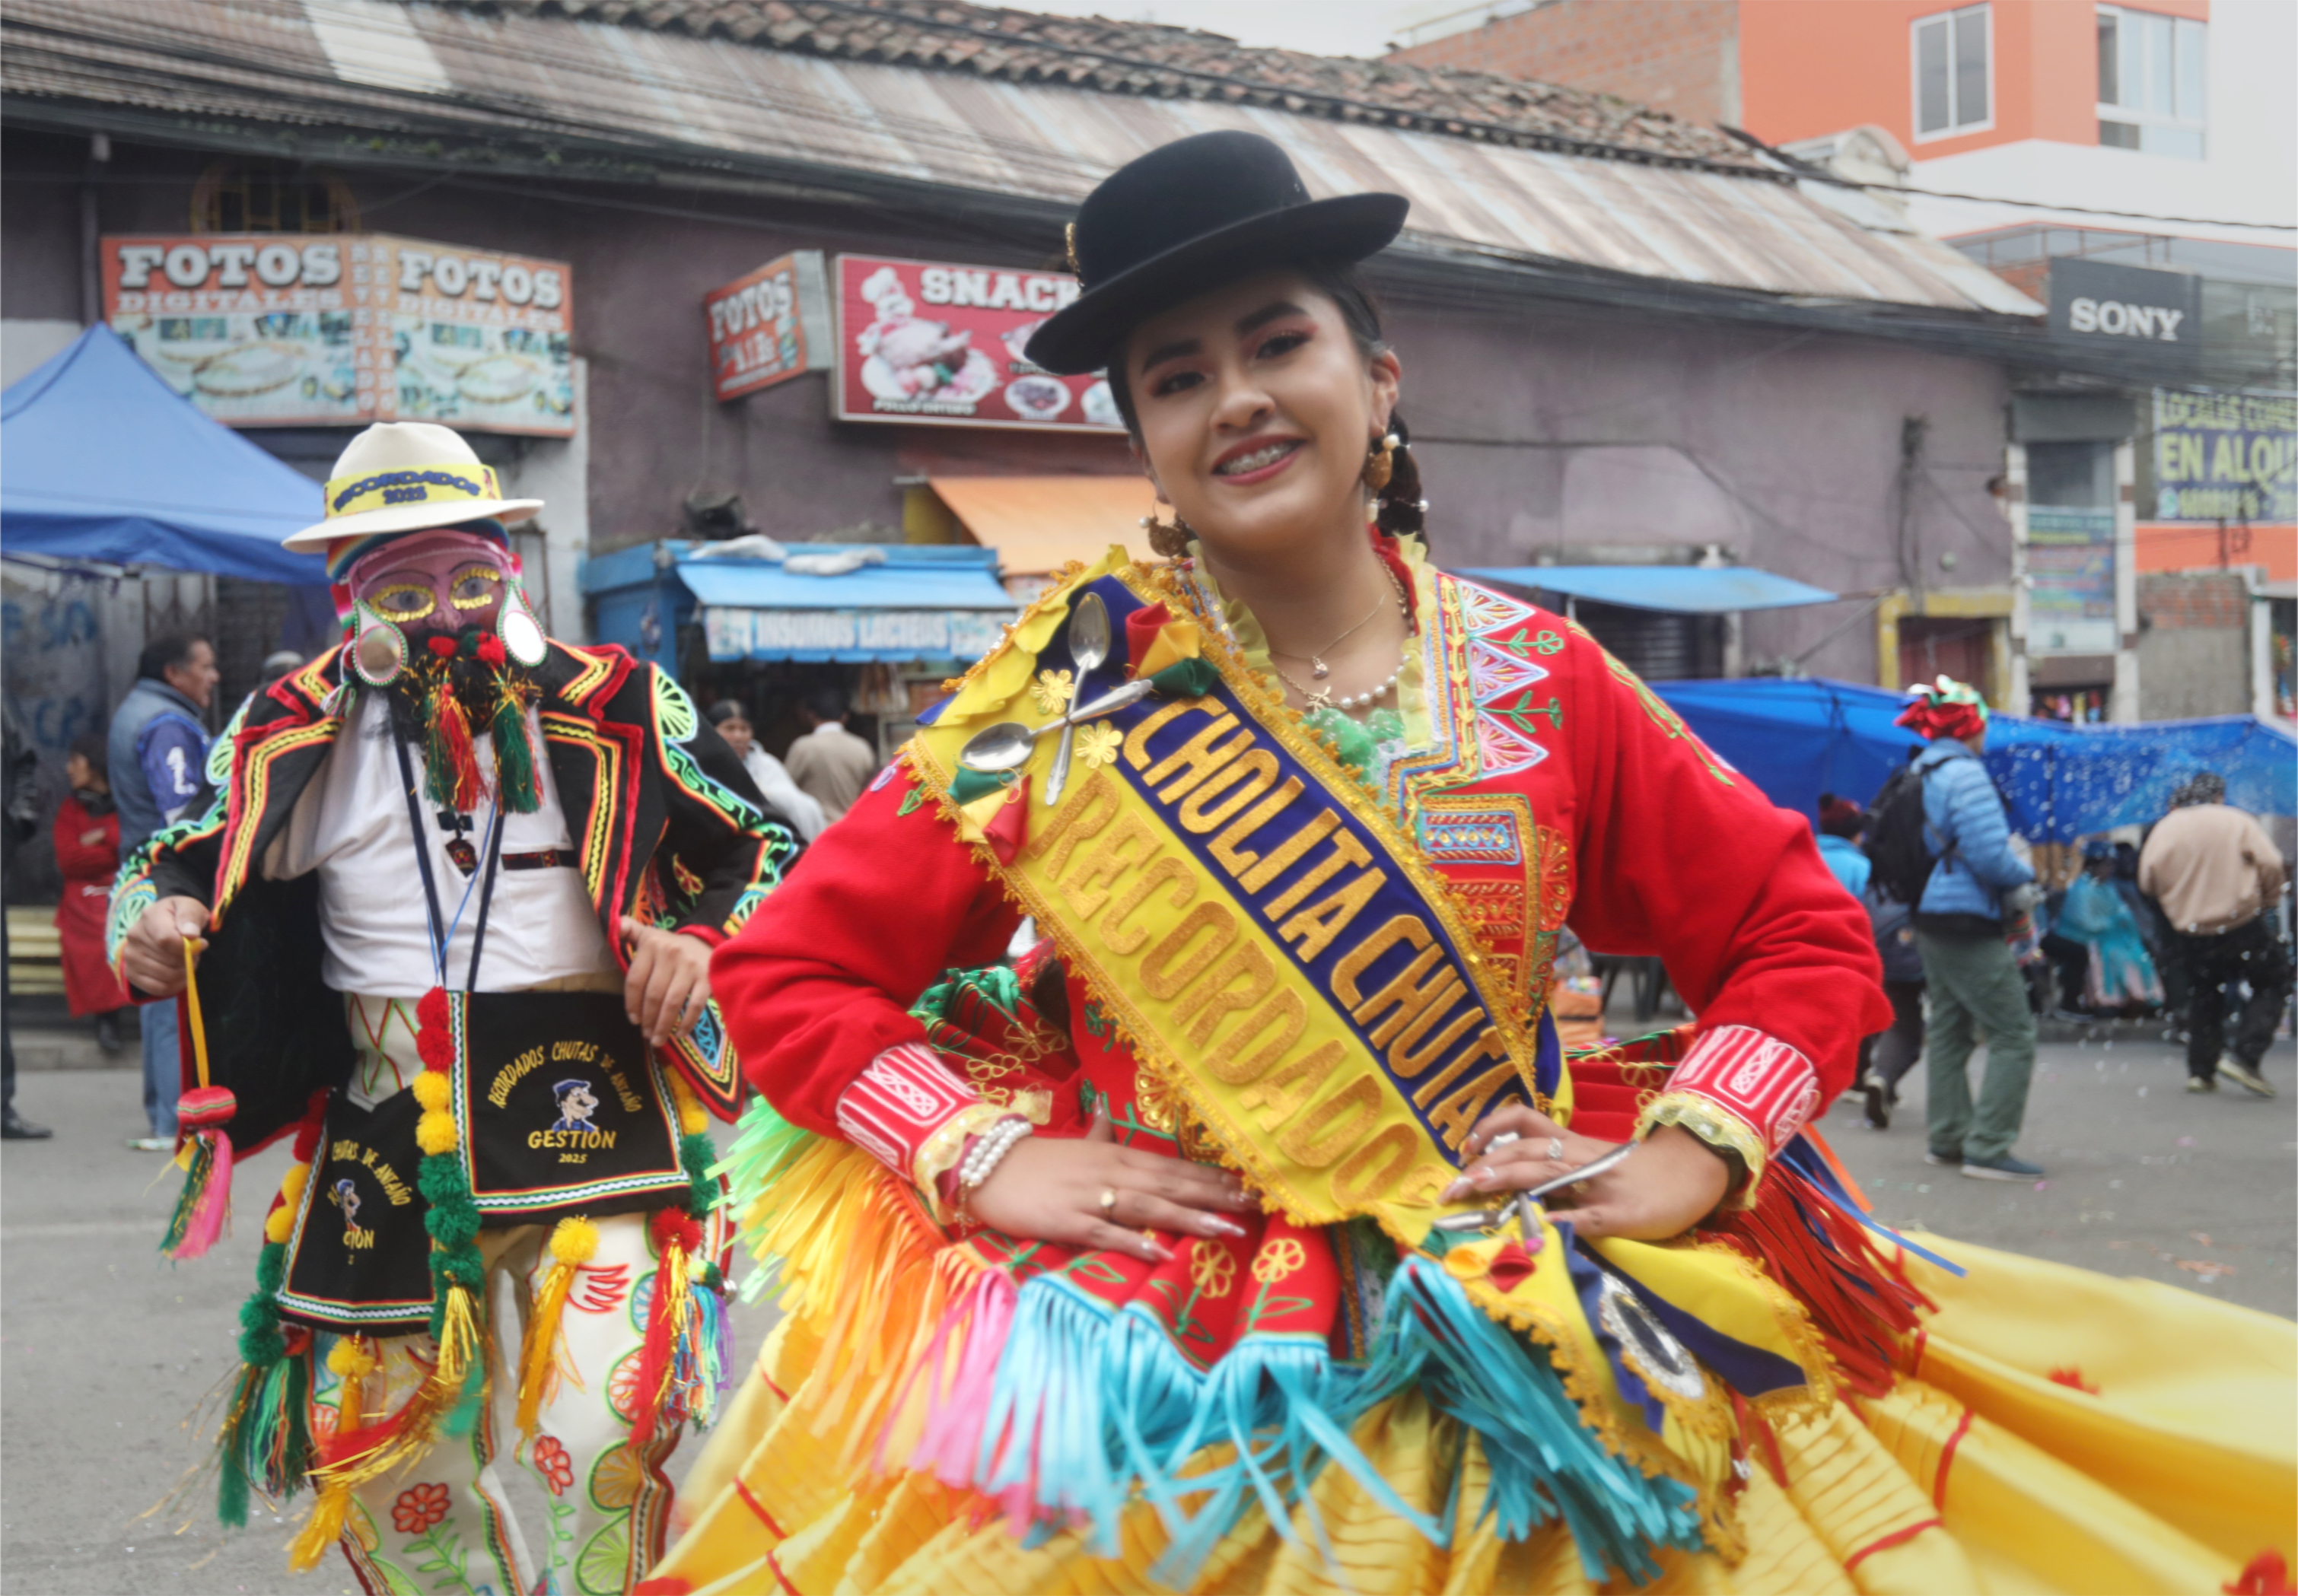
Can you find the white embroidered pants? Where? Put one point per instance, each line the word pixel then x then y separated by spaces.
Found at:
pixel 442 1524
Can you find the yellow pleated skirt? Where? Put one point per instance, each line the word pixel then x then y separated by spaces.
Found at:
pixel 2057 1431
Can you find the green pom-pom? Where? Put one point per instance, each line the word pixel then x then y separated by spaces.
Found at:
pixel 695 1154
pixel 453 1224
pixel 441 1180
pixel 271 1267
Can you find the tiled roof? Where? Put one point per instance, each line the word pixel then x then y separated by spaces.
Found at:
pixel 1152 59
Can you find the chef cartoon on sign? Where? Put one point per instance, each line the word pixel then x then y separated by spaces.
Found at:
pixel 576 1105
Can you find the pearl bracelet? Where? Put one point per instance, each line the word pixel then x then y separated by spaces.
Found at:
pixel 987 1153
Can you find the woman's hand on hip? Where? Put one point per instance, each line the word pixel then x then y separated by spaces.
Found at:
pixel 1091 1194
pixel 1670 1183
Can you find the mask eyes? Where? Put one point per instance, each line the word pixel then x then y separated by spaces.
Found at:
pixel 403 601
pixel 477 587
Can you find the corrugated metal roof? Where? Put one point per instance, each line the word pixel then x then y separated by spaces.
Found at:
pixel 693 100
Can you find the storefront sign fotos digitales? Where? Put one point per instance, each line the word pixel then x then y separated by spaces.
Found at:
pixel 283 329
pixel 926 342
pixel 770 326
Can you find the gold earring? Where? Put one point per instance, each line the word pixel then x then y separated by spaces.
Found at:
pixel 1170 539
pixel 1380 463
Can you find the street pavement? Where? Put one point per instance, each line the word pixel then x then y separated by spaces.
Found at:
pixel 107 1352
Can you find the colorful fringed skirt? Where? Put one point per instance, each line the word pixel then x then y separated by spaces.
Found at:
pixel 936 1418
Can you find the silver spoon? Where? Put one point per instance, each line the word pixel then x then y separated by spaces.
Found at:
pixel 1088 646
pixel 1006 745
pixel 1520 1203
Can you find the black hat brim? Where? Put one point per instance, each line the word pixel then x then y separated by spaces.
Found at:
pixel 1081 336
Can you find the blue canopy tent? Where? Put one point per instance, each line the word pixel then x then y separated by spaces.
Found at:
pixel 1796 739
pixel 1684 589
pixel 102 463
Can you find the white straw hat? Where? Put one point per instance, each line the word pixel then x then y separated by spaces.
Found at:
pixel 405 476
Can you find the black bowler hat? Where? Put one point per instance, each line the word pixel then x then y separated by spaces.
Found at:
pixel 1188 217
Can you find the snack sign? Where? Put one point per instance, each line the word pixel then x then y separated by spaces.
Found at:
pixel 268 329
pixel 923 342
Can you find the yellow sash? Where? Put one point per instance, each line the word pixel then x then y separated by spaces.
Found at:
pixel 1275 948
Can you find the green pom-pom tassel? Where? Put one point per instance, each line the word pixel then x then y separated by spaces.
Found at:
pixel 695 1154
pixel 515 756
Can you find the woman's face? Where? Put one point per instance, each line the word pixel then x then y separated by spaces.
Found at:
pixel 1257 409
pixel 737 733
pixel 79 772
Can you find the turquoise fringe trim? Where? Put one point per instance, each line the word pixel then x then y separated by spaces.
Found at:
pixel 1088 1403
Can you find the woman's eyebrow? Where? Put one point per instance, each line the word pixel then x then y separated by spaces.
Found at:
pixel 1267 314
pixel 1171 351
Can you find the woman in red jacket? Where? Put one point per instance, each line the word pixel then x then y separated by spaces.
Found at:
pixel 1252 1233
pixel 87 854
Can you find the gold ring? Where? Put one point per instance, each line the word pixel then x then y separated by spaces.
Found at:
pixel 1108 1201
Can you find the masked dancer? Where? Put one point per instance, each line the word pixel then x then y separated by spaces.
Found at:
pixel 450 904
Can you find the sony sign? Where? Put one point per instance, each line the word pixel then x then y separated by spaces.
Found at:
pixel 2093 301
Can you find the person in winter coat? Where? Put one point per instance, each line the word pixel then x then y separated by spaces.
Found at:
pixel 1889 1053
pixel 87 854
pixel 1978 893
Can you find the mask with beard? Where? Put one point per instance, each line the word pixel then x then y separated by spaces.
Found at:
pixel 431 613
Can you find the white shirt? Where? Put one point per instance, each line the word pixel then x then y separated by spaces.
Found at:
pixel 351 826
pixel 773 779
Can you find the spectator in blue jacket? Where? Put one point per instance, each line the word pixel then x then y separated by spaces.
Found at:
pixel 1979 893
pixel 1840 822
pixel 158 748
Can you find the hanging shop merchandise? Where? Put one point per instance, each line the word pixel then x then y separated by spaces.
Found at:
pixel 770 326
pixel 262 329
pixel 922 342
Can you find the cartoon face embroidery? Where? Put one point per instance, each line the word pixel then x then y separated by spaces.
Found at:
pixel 576 1105
pixel 347 1199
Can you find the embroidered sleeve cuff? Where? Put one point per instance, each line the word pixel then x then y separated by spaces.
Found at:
pixel 911 1113
pixel 1741 1088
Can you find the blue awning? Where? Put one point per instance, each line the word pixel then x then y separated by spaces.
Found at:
pixel 101 462
pixel 903 602
pixel 1796 739
pixel 1686 589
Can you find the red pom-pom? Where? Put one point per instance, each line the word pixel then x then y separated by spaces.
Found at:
pixel 675 1225
pixel 434 1039
pixel 441 644
pixel 492 651
pixel 204 1106
pixel 307 1134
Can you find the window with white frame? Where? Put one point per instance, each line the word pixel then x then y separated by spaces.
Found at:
pixel 2151 73
pixel 1954 62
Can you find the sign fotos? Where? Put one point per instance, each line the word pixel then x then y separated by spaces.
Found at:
pixel 769 325
pixel 273 330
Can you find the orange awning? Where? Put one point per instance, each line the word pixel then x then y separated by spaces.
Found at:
pixel 1038 524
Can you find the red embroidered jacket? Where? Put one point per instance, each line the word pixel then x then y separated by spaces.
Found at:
pixel 1561 791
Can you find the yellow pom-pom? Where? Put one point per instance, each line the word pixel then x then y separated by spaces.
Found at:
pixel 279 1223
pixel 693 1119
pixel 574 1241
pixel 436 1133
pixel 349 1359
pixel 431 1090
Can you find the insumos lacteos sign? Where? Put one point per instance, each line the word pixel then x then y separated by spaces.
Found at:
pixel 262 329
pixel 2096 301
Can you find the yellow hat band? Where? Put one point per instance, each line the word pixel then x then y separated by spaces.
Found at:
pixel 452 484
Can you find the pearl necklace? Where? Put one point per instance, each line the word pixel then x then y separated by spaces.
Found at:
pixel 1321 699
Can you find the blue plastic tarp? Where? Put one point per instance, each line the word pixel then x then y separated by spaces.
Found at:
pixel 1683 590
pixel 101 462
pixel 1798 739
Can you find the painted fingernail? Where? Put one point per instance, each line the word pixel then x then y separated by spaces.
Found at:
pixel 1223 1227
pixel 1482 1178
pixel 1454 1192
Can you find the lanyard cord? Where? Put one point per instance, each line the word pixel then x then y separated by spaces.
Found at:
pixel 443 931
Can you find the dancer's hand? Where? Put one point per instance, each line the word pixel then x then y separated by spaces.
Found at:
pixel 152 956
pixel 1050 1189
pixel 1670 1183
pixel 669 981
